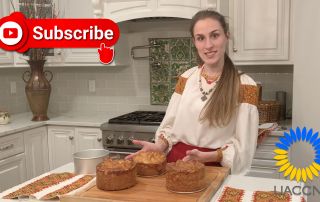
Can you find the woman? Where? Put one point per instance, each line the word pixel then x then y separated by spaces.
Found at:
pixel 212 115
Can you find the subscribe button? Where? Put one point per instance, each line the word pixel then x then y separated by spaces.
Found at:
pixel 19 34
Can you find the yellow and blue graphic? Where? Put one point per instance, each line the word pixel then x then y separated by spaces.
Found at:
pixel 282 154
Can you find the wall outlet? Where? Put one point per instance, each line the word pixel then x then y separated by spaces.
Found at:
pixel 13 87
pixel 92 86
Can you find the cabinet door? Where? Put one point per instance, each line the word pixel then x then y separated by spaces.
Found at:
pixel 259 31
pixel 61 145
pixel 120 11
pixel 88 138
pixel 36 151
pixel 12 171
pixel 6 58
pixel 90 56
pixel 264 172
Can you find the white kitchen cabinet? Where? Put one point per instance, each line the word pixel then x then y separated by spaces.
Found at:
pixel 6 57
pixel 64 141
pixel 124 10
pixel 88 138
pixel 90 56
pixel 12 161
pixel 260 31
pixel 263 164
pixel 61 145
pixel 12 171
pixel 36 151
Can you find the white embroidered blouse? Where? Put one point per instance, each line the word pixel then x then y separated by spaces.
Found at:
pixel 181 122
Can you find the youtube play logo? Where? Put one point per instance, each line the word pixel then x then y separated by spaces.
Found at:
pixel 10 33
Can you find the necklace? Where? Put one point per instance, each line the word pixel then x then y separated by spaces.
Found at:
pixel 204 93
pixel 209 78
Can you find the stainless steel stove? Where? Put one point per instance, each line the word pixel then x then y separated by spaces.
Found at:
pixel 118 132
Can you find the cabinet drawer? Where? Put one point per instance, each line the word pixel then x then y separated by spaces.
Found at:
pixel 11 145
pixel 262 154
pixel 266 147
pixel 271 140
pixel 264 163
pixel 263 172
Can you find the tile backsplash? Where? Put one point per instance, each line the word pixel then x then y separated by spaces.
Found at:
pixel 12 102
pixel 118 90
pixel 169 57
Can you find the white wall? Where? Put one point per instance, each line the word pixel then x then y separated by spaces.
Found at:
pixel 17 102
pixel 306 92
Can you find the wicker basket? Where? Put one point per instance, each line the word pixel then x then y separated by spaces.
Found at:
pixel 268 111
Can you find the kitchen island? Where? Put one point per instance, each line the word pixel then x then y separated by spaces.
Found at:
pixel 248 184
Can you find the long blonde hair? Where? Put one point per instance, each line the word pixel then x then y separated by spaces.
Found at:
pixel 222 104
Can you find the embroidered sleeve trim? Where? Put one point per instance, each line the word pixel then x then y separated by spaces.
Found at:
pixel 248 94
pixel 180 85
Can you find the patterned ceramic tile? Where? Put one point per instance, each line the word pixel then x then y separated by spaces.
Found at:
pixel 160 71
pixel 177 68
pixel 161 50
pixel 160 94
pixel 170 59
pixel 180 49
pixel 194 58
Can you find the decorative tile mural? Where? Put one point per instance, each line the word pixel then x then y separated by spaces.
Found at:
pixel 169 58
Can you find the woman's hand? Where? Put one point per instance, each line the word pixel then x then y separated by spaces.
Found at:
pixel 200 156
pixel 147 146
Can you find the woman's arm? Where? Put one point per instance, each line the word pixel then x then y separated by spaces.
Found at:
pixel 241 147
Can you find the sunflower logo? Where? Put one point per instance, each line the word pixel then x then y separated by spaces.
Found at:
pixel 306 140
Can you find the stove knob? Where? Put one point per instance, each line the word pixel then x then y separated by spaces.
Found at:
pixel 130 140
pixel 152 140
pixel 120 140
pixel 109 139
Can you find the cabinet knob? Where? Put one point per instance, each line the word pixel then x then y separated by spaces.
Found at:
pixel 109 139
pixel 99 139
pixel 130 139
pixel 235 50
pixel 71 137
pixel 120 140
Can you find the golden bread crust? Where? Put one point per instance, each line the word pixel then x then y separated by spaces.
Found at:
pixel 116 174
pixel 186 176
pixel 150 163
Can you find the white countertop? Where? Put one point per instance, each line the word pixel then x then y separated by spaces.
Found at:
pixel 235 181
pixel 20 122
pixel 255 184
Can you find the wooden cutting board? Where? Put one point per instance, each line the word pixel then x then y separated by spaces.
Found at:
pixel 153 189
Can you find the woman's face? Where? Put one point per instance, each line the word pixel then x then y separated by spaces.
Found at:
pixel 210 41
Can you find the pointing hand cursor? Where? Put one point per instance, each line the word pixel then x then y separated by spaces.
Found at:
pixel 106 54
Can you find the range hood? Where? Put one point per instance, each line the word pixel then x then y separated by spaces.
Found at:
pixel 124 10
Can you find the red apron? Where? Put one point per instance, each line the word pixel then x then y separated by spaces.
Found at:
pixel 179 150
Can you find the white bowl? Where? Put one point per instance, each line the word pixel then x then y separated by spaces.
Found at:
pixel 4 117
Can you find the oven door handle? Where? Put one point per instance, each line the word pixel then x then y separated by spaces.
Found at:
pixel 119 152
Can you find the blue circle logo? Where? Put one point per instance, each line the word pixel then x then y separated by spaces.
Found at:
pixel 282 154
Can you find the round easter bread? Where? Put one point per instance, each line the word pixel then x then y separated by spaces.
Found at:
pixel 150 163
pixel 185 176
pixel 116 174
